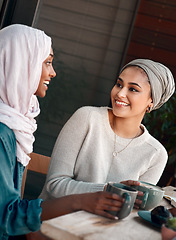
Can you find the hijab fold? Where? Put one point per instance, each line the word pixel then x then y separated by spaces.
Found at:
pixel 160 78
pixel 22 52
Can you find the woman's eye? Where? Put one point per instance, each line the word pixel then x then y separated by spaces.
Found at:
pixel 118 85
pixel 48 63
pixel 133 90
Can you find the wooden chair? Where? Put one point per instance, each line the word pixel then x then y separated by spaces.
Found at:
pixel 38 164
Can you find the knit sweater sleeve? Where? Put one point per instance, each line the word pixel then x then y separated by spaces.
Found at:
pixel 60 178
pixel 156 166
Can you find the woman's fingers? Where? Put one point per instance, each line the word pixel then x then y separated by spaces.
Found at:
pixel 113 196
pixel 109 201
pixel 131 182
pixel 138 201
pixel 136 206
pixel 101 202
pixel 140 193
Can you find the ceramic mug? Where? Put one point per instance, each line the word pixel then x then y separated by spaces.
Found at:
pixel 152 195
pixel 126 192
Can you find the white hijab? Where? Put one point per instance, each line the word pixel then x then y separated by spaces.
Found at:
pixel 22 52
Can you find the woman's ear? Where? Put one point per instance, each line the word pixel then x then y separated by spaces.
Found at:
pixel 150 106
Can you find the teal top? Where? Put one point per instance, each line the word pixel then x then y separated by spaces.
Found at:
pixel 17 216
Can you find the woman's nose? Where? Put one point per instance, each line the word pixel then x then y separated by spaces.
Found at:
pixel 53 73
pixel 122 92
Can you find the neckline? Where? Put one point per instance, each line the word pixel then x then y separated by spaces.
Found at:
pixel 123 141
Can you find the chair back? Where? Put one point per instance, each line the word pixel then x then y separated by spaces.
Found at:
pixel 38 163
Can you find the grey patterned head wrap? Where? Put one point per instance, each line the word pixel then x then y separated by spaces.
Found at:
pixel 160 78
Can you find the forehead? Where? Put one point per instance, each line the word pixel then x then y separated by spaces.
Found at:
pixel 50 56
pixel 134 73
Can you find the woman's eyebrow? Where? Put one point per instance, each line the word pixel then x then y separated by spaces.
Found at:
pixel 120 79
pixel 131 83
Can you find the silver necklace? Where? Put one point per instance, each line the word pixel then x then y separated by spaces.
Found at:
pixel 115 152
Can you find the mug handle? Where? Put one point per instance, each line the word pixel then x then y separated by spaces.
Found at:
pixel 126 203
pixel 144 200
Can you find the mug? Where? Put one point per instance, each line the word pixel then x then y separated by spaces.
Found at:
pixel 152 195
pixel 126 192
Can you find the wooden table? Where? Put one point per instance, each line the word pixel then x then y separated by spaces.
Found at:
pixel 86 226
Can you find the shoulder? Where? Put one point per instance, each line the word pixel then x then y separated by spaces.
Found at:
pixel 7 137
pixel 5 131
pixel 87 110
pixel 155 144
pixel 88 115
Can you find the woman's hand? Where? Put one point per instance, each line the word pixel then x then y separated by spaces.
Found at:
pixel 131 182
pixel 167 233
pixel 100 202
pixel 97 203
pixel 140 194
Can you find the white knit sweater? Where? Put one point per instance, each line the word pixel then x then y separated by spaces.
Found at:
pixel 82 159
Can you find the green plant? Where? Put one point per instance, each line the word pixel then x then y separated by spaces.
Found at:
pixel 161 123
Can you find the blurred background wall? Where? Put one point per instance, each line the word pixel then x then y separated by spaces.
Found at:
pixel 92 40
pixel 89 41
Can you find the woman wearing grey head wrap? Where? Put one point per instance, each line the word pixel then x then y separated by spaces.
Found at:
pixel 160 78
pixel 101 144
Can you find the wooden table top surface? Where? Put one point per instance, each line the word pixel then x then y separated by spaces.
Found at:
pixel 86 226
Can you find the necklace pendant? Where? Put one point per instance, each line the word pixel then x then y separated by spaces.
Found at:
pixel 114 154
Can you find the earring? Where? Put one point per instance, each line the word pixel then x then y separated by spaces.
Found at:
pixel 148 110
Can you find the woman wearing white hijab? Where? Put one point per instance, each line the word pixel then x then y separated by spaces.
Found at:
pixel 25 71
pixel 98 145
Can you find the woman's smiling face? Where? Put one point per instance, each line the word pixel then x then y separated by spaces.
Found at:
pixel 131 96
pixel 47 73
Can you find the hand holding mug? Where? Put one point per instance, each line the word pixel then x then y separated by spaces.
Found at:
pixel 140 194
pixel 129 194
pixel 152 194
